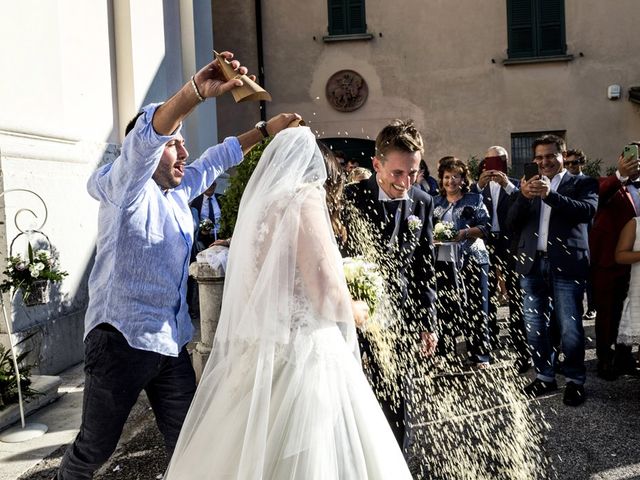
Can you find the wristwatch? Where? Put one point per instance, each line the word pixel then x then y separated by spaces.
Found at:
pixel 262 126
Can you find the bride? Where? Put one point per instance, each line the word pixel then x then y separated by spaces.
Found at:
pixel 283 395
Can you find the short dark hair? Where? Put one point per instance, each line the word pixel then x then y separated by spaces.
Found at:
pixel 550 139
pixel 399 135
pixel 579 154
pixel 132 123
pixel 340 154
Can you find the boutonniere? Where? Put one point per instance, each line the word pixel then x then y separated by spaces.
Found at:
pixel 414 223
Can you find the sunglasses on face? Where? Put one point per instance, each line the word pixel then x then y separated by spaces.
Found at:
pixel 571 163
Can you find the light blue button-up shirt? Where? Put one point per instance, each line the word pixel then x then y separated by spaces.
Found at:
pixel 139 280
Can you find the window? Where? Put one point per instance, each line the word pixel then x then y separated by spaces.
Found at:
pixel 346 17
pixel 521 152
pixel 536 28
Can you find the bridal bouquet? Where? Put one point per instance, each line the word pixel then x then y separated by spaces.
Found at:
pixel 364 281
pixel 444 232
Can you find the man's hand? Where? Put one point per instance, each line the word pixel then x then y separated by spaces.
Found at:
pixel 281 121
pixel 501 178
pixel 360 311
pixel 628 167
pixel 485 177
pixel 535 187
pixel 429 343
pixel 210 79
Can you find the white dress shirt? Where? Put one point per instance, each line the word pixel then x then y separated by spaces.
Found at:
pixel 545 213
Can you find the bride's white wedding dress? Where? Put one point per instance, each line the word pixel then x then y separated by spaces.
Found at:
pixel 283 395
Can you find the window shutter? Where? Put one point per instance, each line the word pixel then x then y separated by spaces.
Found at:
pixel 337 17
pixel 521 18
pixel 551 37
pixel 356 16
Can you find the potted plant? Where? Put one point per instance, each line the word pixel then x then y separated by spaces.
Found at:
pixel 32 275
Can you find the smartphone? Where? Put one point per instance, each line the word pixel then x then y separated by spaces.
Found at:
pixel 530 170
pixel 630 152
pixel 495 163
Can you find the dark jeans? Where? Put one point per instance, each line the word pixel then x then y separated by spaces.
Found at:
pixel 115 374
pixel 463 307
pixel 503 257
pixel 546 291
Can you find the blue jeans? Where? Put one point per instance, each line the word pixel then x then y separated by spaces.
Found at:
pixel 115 374
pixel 546 291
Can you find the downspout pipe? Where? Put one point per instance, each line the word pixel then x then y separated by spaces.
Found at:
pixel 263 104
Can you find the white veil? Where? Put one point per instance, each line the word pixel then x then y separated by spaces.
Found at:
pixel 274 398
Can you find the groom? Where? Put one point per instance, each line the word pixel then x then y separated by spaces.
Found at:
pixel 398 221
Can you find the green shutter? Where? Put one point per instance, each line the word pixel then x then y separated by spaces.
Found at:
pixel 521 18
pixel 346 17
pixel 536 28
pixel 551 38
pixel 356 16
pixel 337 17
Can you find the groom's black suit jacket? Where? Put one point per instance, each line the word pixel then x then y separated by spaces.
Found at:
pixel 412 261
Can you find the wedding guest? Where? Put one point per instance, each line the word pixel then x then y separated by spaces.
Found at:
pixel 206 213
pixel 350 165
pixel 628 253
pixel 358 174
pixel 398 216
pixel 425 181
pixel 575 162
pixel 137 324
pixel 498 190
pixel 551 213
pixel 206 208
pixel 462 267
pixel 619 202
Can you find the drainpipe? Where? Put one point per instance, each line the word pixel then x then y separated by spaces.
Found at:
pixel 263 104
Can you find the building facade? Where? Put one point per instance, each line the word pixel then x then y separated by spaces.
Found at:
pixel 470 74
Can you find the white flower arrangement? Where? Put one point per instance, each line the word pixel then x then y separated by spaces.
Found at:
pixel 444 232
pixel 414 222
pixel 21 273
pixel 364 281
pixel 206 225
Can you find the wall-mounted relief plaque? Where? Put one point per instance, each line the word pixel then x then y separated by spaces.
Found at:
pixel 346 90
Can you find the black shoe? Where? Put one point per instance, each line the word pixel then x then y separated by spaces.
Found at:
pixel 573 394
pixel 606 370
pixel 522 365
pixel 590 315
pixel 540 387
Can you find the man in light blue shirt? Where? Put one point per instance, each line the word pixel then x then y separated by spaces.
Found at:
pixel 137 323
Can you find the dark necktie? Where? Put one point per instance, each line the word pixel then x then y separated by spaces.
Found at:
pixel 393 211
pixel 212 213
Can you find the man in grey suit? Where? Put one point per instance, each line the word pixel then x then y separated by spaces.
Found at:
pixel 551 214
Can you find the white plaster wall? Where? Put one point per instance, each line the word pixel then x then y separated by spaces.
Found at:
pixel 73 73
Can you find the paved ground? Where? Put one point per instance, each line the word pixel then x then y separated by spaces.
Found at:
pixel 598 441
